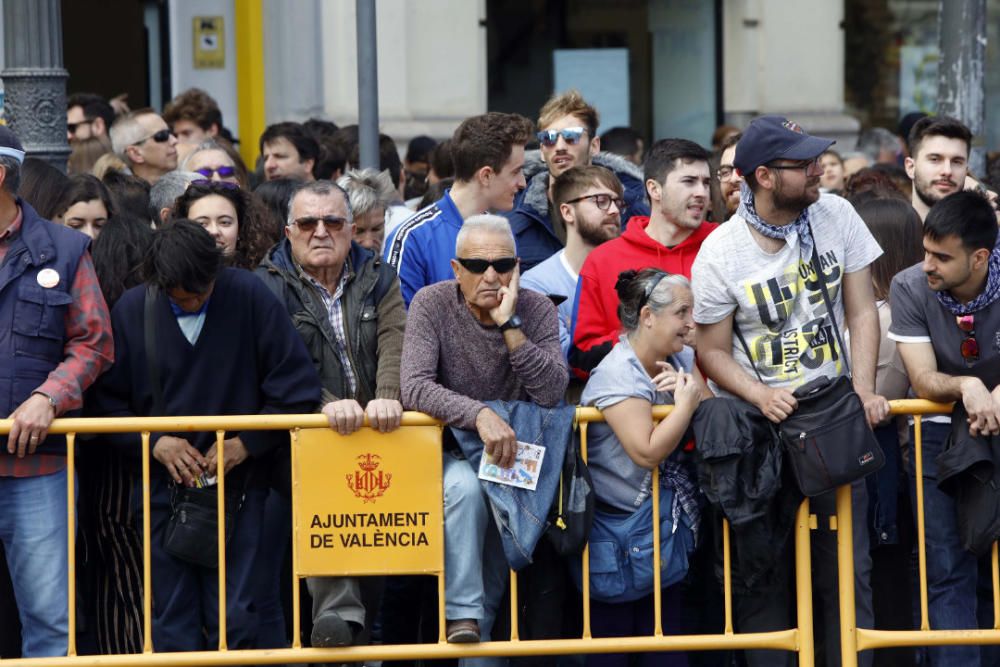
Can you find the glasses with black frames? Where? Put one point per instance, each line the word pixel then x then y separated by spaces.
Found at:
pixel 602 201
pixel 500 265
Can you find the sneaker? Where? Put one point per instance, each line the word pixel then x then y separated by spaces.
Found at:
pixel 463 631
pixel 330 630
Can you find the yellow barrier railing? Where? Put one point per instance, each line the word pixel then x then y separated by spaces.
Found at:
pixel 854 639
pixel 797 639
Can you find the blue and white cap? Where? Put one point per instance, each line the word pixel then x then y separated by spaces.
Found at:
pixel 10 145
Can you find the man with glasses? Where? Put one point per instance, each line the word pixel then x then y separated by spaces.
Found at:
pixel 567 138
pixel 470 340
pixel 87 116
pixel 729 178
pixel 488 154
pixel 147 145
pixel 945 315
pixel 589 200
pixel 345 303
pixel 677 182
pixel 758 275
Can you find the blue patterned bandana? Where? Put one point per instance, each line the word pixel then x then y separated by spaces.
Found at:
pixel 987 297
pixel 748 211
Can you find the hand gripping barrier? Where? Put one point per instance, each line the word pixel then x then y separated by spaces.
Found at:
pixel 798 639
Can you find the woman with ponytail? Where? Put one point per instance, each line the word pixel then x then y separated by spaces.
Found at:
pixel 649 366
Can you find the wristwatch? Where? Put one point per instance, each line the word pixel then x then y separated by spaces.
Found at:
pixel 52 401
pixel 513 323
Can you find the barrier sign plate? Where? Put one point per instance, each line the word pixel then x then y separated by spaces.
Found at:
pixel 370 503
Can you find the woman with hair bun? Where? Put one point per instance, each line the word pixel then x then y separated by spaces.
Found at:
pixel 649 366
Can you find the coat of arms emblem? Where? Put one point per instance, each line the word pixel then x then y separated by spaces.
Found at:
pixel 369 483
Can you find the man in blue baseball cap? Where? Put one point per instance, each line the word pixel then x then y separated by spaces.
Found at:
pixel 759 275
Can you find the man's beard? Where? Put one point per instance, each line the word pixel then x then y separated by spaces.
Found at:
pixel 796 203
pixel 925 194
pixel 596 234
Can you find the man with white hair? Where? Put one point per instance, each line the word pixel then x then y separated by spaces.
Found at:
pixel 147 145
pixel 371 193
pixel 474 339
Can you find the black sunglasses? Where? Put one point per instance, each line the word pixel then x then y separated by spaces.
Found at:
pixel 73 126
pixel 160 137
pixel 223 172
pixel 500 265
pixel 308 224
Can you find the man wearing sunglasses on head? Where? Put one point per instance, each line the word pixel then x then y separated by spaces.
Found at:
pixel 147 145
pixel 945 315
pixel 567 138
pixel 488 154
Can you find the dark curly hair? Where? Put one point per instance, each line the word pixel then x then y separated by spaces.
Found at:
pixel 252 240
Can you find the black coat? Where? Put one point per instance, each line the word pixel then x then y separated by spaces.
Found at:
pixel 741 473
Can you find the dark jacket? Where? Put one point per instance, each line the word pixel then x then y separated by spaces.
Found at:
pixel 740 471
pixel 33 317
pixel 530 221
pixel 968 471
pixel 374 318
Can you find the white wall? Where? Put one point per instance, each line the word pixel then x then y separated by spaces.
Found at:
pixel 219 83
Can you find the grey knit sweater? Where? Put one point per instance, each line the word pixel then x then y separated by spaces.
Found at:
pixel 452 363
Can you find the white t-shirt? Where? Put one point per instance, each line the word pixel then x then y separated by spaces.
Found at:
pixel 776 297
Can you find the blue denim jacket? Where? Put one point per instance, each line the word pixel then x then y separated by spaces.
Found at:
pixel 521 515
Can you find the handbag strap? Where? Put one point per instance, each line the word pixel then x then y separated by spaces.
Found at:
pixel 152 356
pixel 829 305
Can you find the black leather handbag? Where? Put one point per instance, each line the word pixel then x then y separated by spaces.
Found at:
pixel 827 440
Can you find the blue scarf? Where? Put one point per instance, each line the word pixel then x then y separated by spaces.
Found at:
pixel 987 297
pixel 748 211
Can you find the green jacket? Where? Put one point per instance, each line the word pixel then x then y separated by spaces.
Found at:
pixel 374 319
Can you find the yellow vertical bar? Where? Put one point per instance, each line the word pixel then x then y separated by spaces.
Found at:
pixel 220 476
pixel 249 39
pixel 657 593
pixel 296 611
pixel 996 588
pixel 803 587
pixel 71 536
pixel 845 576
pixel 727 576
pixel 147 579
pixel 513 607
pixel 921 539
pixel 586 549
pixel 442 622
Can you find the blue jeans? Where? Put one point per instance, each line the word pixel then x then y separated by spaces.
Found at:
pixel 33 530
pixel 474 563
pixel 951 570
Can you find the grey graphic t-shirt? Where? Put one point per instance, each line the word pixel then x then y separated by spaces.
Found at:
pixel 776 297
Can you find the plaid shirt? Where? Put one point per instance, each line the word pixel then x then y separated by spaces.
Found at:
pixel 335 312
pixel 89 351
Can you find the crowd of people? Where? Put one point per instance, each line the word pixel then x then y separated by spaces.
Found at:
pixel 494 280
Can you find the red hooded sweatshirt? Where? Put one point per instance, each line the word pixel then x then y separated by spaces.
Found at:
pixel 595 323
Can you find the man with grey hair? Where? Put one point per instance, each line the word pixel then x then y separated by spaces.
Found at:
pixel 330 286
pixel 168 188
pixel 474 339
pixel 371 192
pixel 147 145
pixel 57 341
pixel 880 146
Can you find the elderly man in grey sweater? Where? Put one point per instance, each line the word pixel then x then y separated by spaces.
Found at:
pixel 474 339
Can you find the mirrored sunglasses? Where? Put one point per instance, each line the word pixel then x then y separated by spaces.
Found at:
pixel 571 135
pixel 223 172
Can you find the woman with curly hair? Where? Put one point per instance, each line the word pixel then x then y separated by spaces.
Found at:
pixel 231 215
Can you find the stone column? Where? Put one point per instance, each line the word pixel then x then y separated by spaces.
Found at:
pixel 34 79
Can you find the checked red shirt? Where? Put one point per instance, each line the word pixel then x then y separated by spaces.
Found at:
pixel 89 351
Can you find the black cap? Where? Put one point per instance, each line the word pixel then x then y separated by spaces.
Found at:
pixel 770 138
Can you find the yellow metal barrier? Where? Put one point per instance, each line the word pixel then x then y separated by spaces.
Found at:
pixel 798 639
pixel 854 639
